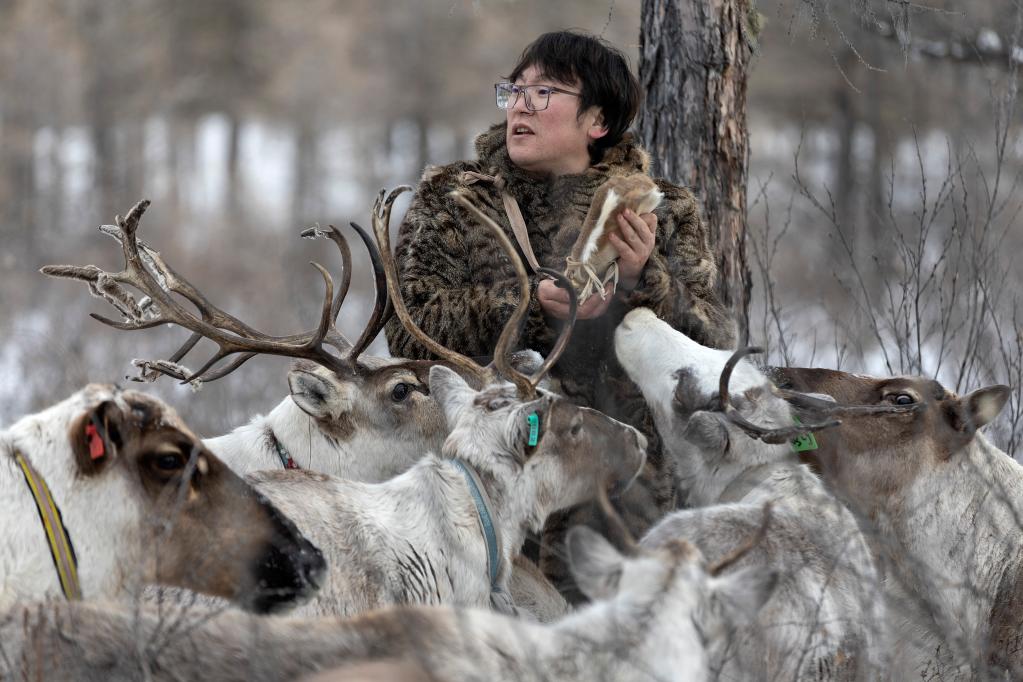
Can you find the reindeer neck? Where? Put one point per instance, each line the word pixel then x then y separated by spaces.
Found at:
pixel 516 508
pixel 250 447
pixel 98 532
pixel 959 526
pixel 507 514
pixel 446 501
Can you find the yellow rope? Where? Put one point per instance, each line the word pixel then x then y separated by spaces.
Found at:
pixel 60 544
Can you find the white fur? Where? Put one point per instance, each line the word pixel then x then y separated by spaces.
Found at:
pixel 610 203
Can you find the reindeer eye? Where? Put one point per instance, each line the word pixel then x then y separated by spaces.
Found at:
pixel 167 463
pixel 903 399
pixel 400 392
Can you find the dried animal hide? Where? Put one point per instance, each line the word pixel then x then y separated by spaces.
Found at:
pixel 594 260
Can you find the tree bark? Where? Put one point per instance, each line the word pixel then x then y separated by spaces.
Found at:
pixel 694 64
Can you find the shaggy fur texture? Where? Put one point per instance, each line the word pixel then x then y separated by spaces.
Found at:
pixel 460 287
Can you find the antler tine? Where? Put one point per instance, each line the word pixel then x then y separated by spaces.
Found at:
pixel 334 337
pixel 311 347
pixel 742 550
pixel 146 271
pixel 381 305
pixel 615 522
pixel 381 229
pixel 567 327
pixel 772 436
pixel 513 327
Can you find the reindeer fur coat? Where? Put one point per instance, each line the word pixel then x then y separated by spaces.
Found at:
pixel 460 288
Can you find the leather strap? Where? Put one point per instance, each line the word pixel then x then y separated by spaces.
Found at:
pixel 511 209
pixel 491 532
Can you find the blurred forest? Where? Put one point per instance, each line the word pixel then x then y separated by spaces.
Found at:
pixel 884 171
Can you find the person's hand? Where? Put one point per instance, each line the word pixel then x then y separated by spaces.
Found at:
pixel 554 301
pixel 634 246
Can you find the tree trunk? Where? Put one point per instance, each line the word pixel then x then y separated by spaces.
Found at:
pixel 233 199
pixel 305 192
pixel 845 128
pixel 694 63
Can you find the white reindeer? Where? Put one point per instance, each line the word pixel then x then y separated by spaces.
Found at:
pixel 109 490
pixel 652 616
pixel 946 507
pixel 416 538
pixel 824 620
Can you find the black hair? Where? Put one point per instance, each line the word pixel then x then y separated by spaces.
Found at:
pixel 601 70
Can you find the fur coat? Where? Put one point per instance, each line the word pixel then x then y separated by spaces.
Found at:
pixel 460 288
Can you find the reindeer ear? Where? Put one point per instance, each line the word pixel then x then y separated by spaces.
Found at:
pixel 315 395
pixel 705 431
pixel 451 391
pixel 985 404
pixel 595 563
pixel 96 437
pixel 740 594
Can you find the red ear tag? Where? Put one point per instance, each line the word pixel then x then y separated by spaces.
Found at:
pixel 96 447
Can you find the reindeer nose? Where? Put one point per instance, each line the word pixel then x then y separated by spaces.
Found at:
pixel 312 567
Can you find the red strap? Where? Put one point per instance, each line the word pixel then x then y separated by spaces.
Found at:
pixel 96 446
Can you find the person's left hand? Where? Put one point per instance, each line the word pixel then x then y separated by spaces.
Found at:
pixel 634 246
pixel 555 302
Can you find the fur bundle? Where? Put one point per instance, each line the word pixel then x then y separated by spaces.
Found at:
pixel 594 260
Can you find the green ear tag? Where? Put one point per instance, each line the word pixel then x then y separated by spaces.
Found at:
pixel 534 429
pixel 803 442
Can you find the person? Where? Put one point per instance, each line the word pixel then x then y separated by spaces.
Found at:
pixel 568 102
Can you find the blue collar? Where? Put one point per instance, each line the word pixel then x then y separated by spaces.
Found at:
pixel 486 521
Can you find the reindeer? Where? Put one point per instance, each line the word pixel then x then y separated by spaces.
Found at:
pixel 359 417
pixel 946 508
pixel 124 494
pixel 652 617
pixel 348 414
pixel 446 530
pixel 823 621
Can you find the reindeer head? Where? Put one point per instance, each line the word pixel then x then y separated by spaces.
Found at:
pixel 138 489
pixel 930 428
pixel 384 413
pixel 705 422
pixel 684 606
pixel 575 450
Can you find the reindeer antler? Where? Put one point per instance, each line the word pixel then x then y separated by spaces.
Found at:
pixel 773 436
pixel 146 271
pixel 526 385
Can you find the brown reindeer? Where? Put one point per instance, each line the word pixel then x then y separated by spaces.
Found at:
pixel 946 506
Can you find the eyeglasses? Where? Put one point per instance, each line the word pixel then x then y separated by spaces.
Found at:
pixel 537 96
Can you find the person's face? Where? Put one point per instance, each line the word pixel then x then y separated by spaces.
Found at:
pixel 553 141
